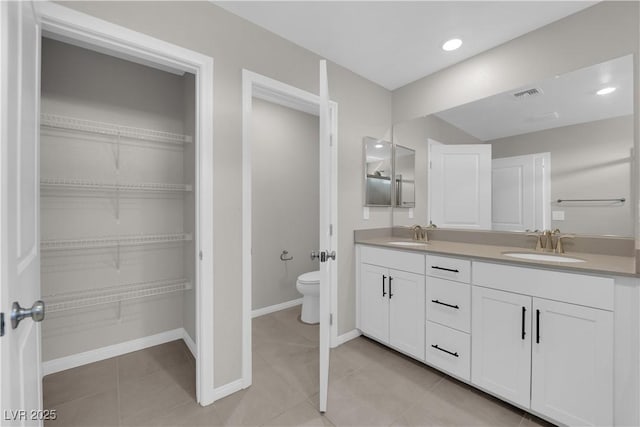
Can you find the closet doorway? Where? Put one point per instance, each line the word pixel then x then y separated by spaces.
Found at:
pixel 127 221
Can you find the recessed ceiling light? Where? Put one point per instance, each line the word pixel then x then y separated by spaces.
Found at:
pixel 452 44
pixel 606 90
pixel 379 145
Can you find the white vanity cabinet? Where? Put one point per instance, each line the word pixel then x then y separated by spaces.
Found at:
pixel 552 356
pixel 391 298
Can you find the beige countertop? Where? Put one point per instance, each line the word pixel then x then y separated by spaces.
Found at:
pixel 593 263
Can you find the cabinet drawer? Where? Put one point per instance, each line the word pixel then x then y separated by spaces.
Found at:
pixel 398 260
pixel 449 268
pixel 592 291
pixel 449 350
pixel 449 303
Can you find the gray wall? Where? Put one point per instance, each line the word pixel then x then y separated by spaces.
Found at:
pixel 87 85
pixel 605 31
pixel 364 109
pixel 415 134
pixel 285 200
pixel 589 160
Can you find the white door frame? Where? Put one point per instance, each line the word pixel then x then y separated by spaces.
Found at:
pixel 83 30
pixel 259 86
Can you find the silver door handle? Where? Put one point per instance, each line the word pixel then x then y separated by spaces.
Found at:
pixel 323 255
pixel 36 312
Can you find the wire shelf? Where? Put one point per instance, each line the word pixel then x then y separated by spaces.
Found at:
pixel 107 186
pixel 110 129
pixel 113 241
pixel 116 294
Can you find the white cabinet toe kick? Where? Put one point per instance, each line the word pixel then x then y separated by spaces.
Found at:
pixel 562 346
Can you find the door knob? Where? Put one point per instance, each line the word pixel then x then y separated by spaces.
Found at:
pixel 323 255
pixel 36 312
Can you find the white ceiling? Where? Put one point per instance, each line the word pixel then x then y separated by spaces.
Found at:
pixel 394 43
pixel 566 99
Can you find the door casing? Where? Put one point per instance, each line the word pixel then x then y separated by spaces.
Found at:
pixel 265 88
pixel 86 31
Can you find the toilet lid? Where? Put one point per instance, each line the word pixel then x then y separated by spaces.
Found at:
pixel 310 277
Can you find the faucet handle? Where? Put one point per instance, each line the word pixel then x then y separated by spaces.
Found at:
pixel 538 237
pixel 559 245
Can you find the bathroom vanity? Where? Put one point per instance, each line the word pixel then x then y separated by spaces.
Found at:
pixel 559 340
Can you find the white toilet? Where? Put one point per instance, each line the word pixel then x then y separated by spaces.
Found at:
pixel 308 284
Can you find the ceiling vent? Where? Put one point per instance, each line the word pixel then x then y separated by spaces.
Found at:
pixel 528 93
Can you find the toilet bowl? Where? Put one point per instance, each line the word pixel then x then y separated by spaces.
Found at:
pixel 308 284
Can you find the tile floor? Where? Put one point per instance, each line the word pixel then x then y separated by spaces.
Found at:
pixel 370 385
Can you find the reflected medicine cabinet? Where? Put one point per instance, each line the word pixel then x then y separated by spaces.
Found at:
pixel 383 161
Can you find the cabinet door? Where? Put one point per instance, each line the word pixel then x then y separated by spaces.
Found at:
pixel 374 302
pixel 406 313
pixel 572 363
pixel 501 343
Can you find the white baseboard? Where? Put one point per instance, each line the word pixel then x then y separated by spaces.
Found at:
pixel 75 360
pixel 277 307
pixel 191 345
pixel 347 337
pixel 227 389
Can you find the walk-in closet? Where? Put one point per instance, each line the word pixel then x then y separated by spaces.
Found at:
pixel 117 204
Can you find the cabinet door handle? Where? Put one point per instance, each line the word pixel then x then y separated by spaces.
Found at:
pixel 537 326
pixel 435 301
pixel 390 293
pixel 453 270
pixel 384 293
pixel 524 310
pixel 446 351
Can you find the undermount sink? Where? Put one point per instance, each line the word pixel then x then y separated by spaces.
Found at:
pixel 405 243
pixel 541 257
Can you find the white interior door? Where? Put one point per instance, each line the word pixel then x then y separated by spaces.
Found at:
pixel 520 193
pixel 460 185
pixel 327 252
pixel 20 372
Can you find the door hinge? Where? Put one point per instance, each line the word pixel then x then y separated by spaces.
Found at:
pixel 331 319
pixel 430 164
pixel 330 229
pixel 200 255
pixel 1 324
pixel 330 140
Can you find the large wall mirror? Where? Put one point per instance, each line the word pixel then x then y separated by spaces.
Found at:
pixel 557 153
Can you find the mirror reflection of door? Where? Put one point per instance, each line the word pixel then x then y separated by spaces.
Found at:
pixel 460 185
pixel 520 192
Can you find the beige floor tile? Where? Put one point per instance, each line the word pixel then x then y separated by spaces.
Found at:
pixel 155 395
pixel 96 410
pixel 453 404
pixel 358 400
pixel 303 414
pixel 79 382
pixel 141 363
pixel 250 407
pixel 290 319
pixel 533 421
pixel 190 414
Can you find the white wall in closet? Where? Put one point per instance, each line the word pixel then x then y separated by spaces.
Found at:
pixel 81 84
